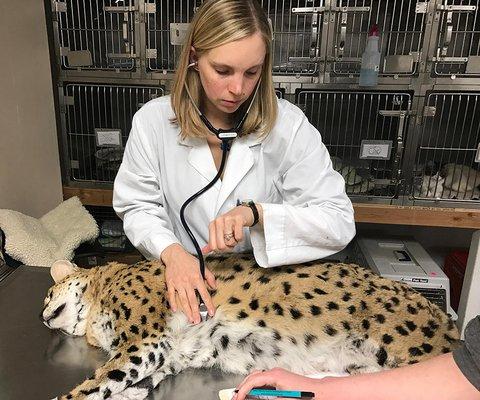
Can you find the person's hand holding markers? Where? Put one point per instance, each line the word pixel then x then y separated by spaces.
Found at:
pixel 278 378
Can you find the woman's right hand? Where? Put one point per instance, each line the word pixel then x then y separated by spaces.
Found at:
pixel 183 277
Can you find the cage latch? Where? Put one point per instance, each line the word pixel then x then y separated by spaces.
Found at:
pixel 340 45
pixel 314 43
pixel 178 33
pixel 126 10
pixel 402 115
pixel 442 51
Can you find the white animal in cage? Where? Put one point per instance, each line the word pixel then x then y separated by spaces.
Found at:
pixel 456 195
pixel 432 186
pixel 460 178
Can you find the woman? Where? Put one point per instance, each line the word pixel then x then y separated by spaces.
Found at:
pixel 300 211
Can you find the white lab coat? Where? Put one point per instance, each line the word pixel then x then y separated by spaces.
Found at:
pixel 306 213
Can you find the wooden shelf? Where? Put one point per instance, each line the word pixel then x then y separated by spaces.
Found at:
pixel 414 215
pixel 90 197
pixel 368 213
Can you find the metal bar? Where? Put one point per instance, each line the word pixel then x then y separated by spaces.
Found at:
pixel 120 9
pixel 448 34
pixel 456 8
pixel 308 10
pixel 92 34
pixel 464 111
pixel 450 59
pixel 448 117
pixel 346 9
pixel 354 119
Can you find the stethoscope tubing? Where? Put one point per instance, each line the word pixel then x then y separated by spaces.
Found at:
pixel 228 136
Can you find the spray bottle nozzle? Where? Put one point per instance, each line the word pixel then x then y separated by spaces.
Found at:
pixel 373 30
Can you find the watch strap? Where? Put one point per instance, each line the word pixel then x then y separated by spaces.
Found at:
pixel 253 207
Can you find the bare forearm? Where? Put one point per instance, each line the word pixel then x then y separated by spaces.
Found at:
pixel 435 379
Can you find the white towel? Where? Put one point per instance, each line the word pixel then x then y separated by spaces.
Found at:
pixel 55 236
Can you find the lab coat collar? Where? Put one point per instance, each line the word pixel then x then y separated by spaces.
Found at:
pixel 240 160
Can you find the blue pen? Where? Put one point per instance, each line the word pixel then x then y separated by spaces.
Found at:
pixel 292 394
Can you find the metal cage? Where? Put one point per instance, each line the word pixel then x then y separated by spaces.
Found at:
pixel 97 122
pixel 457 47
pixel 446 166
pixel 365 134
pixel 96 35
pixel 296 34
pixel 166 26
pixel 402 28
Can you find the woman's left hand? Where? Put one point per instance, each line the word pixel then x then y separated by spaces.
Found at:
pixel 226 231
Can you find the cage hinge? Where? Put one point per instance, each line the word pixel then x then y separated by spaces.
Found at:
pixel 150 8
pixel 59 6
pixel 421 8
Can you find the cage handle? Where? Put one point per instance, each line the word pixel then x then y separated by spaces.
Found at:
pixel 402 115
pixel 315 42
pixel 340 47
pixel 126 10
pixel 448 35
pixel 339 50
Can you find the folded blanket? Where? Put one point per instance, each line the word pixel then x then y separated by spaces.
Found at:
pixel 54 236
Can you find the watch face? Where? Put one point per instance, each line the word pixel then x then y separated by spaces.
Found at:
pixel 244 202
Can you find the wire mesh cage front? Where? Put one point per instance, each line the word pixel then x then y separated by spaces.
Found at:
pixel 364 133
pixel 166 25
pixel 458 40
pixel 295 39
pixel 96 35
pixel 97 124
pixel 401 25
pixel 446 166
pixel 296 35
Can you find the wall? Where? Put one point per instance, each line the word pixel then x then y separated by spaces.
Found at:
pixel 30 178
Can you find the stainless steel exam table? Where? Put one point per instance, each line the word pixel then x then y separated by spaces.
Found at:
pixel 37 363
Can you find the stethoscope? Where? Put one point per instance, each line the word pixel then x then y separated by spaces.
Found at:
pixel 226 136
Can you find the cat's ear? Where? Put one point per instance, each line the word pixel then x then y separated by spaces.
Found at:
pixel 61 269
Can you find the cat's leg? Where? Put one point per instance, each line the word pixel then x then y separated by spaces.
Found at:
pixel 130 364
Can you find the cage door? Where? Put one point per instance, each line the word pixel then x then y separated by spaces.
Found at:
pixel 298 29
pixel 458 39
pixel 447 166
pixel 96 124
pixel 166 24
pixel 96 35
pixel 401 25
pixel 365 134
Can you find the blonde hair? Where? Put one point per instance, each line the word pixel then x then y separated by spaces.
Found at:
pixel 218 22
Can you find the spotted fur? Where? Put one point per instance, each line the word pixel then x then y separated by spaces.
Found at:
pixel 308 318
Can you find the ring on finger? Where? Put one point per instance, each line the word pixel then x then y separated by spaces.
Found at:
pixel 229 236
